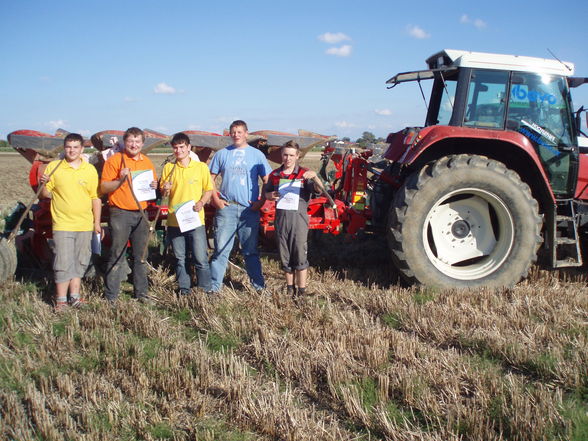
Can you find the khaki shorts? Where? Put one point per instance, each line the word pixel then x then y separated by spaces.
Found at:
pixel 72 254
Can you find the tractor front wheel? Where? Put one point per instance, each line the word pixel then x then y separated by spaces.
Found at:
pixel 464 221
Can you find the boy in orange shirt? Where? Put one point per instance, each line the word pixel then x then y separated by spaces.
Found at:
pixel 126 220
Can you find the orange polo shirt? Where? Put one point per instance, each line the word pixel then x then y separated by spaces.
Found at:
pixel 122 197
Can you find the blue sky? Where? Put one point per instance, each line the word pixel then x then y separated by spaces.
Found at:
pixel 319 65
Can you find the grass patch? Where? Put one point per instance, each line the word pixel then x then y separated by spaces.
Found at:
pixel 9 371
pixel 424 296
pixel 161 431
pixel 59 328
pixel 392 319
pixel 182 316
pixel 221 342
pixel 575 410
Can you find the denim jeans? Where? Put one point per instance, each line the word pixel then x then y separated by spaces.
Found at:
pixel 241 221
pixel 195 241
pixel 124 226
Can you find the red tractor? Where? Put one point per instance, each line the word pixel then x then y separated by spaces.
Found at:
pixel 498 172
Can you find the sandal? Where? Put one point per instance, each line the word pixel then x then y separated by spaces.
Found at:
pixel 60 306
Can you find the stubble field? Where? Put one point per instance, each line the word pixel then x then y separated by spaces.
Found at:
pixel 360 358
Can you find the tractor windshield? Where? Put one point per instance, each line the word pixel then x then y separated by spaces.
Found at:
pixel 539 108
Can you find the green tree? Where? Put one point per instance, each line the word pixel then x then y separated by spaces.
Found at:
pixel 366 139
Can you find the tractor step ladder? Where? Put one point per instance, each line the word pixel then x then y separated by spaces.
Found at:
pixel 566 243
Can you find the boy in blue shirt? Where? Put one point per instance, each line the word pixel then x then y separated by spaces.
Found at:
pixel 240 166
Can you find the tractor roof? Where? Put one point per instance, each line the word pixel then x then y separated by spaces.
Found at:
pixel 458 58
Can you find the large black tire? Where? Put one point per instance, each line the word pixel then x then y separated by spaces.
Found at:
pixel 8 259
pixel 464 221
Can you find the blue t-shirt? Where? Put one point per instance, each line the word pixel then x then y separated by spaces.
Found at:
pixel 240 169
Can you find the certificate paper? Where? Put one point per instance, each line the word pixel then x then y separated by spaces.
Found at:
pixel 142 180
pixel 289 194
pixel 187 218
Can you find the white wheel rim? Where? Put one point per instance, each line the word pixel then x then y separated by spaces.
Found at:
pixel 468 234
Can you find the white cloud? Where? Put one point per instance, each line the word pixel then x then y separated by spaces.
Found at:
pixel 478 22
pixel 334 38
pixel 343 51
pixel 57 124
pixel 163 88
pixel 85 133
pixel 383 112
pixel 130 99
pixel 417 32
pixel 225 119
pixel 344 124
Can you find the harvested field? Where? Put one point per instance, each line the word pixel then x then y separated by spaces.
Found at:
pixel 360 358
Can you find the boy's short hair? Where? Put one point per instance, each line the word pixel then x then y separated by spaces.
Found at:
pixel 134 131
pixel 238 123
pixel 73 137
pixel 179 138
pixel 291 145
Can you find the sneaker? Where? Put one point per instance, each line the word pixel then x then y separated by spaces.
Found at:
pixel 212 296
pixel 77 303
pixel 263 292
pixel 147 300
pixel 183 292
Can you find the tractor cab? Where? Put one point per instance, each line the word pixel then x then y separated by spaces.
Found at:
pixel 497 93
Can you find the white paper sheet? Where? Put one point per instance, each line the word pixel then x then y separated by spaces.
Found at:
pixel 289 194
pixel 187 218
pixel 142 180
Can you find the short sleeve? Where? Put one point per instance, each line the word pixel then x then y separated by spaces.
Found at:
pixel 93 186
pixel 206 179
pixel 50 185
pixel 216 163
pixel 111 167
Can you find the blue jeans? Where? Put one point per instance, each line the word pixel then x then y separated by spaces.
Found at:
pixel 195 241
pixel 241 221
pixel 126 226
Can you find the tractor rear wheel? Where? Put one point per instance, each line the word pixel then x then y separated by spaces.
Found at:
pixel 464 221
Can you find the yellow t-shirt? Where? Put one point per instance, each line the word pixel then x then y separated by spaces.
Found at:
pixel 188 183
pixel 72 191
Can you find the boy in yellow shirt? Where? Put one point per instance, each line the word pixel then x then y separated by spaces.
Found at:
pixel 75 214
pixel 189 186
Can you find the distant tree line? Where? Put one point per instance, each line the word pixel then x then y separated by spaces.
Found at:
pixel 368 138
pixel 3 143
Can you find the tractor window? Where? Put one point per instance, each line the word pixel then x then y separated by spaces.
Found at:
pixel 447 102
pixel 485 106
pixel 540 110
